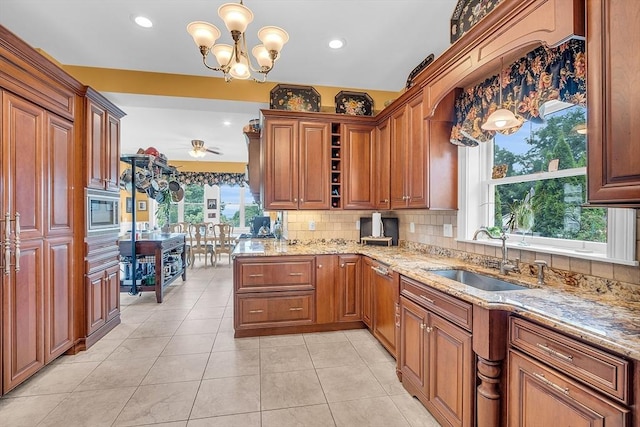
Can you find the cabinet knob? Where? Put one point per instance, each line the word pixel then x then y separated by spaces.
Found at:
pixel 386 200
pixel 342 265
pixel 295 199
pixel 319 265
pixel 302 200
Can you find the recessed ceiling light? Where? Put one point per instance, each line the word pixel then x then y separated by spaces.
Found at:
pixel 336 44
pixel 226 123
pixel 143 21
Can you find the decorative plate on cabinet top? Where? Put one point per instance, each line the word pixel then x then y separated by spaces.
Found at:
pixel 354 103
pixel 294 98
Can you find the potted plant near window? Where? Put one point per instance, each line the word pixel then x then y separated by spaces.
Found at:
pixel 163 198
pixel 521 215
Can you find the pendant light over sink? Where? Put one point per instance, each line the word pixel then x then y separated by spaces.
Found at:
pixel 234 61
pixel 501 118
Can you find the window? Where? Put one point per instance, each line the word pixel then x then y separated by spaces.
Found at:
pixel 539 174
pixel 236 206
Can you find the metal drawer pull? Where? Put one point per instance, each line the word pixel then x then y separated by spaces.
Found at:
pixel 256 275
pixel 568 358
pixel 379 270
pixel 255 311
pixel 542 378
pixel 295 309
pixel 427 299
pixel 295 274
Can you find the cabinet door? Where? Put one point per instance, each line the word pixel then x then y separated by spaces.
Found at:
pixel 96 147
pixel 382 163
pixel 416 160
pixel 399 135
pixel 23 317
pixel 95 301
pixel 281 164
pixel 385 291
pixel 451 371
pixel 613 85
pixel 413 345
pixel 23 166
pixel 532 386
pixel 112 292
pixel 367 295
pixel 359 168
pixel 60 177
pixel 58 297
pixel 315 165
pixel 112 154
pixel 326 269
pixel 349 288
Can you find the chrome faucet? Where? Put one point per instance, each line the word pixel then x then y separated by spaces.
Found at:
pixel 541 265
pixel 505 265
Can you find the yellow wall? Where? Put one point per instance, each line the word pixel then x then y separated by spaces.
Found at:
pixel 147 83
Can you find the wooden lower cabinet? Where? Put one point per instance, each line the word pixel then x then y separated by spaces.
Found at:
pixel 541 396
pixel 272 309
pixel 102 290
pixel 349 288
pixel 367 291
pixel 436 362
pixel 385 289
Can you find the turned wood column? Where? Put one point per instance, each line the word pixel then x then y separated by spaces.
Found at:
pixel 490 332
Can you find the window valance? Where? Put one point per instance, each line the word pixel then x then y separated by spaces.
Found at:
pixel 212 178
pixel 543 74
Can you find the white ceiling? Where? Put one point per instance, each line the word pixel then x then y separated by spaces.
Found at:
pixel 385 40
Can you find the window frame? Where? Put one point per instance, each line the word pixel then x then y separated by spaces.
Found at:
pixel 476 206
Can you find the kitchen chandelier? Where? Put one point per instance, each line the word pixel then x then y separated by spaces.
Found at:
pixel 501 118
pixel 234 60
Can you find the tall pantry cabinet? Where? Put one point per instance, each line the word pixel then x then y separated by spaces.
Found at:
pixel 48 155
pixel 39 205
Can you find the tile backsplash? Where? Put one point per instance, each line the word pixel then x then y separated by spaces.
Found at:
pixel 428 230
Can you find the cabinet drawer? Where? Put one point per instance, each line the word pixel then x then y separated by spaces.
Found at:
pixel 452 309
pixel 275 309
pixel 599 369
pixel 266 276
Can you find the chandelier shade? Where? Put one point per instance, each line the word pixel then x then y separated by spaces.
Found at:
pixel 234 61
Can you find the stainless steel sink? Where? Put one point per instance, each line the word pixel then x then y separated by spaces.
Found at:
pixel 478 281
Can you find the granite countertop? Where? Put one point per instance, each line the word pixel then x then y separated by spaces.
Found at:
pixel 605 319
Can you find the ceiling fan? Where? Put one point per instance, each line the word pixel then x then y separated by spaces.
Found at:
pixel 200 150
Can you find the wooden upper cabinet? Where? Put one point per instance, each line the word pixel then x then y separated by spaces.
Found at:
pixel 315 165
pixel 103 142
pixel 359 167
pixel 382 162
pixel 296 164
pixel 408 157
pixel 280 174
pixel 398 133
pixel 613 86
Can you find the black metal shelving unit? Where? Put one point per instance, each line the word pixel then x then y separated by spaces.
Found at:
pixel 146 161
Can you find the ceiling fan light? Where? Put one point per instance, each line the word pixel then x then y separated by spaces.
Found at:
pixel 235 16
pixel 501 119
pixel 203 33
pixel 273 38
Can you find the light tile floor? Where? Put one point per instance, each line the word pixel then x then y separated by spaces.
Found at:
pixel 177 364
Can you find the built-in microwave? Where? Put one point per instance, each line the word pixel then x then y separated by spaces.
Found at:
pixel 103 212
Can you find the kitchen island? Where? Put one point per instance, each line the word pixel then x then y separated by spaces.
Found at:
pixel 575 335
pixel 161 259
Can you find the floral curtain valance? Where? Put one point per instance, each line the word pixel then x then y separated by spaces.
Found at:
pixel 543 74
pixel 212 178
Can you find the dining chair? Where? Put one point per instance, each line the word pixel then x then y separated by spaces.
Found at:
pixel 200 242
pixel 223 239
